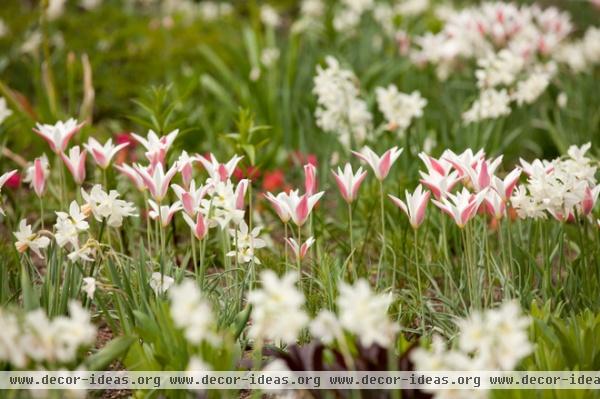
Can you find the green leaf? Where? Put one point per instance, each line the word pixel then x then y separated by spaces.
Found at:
pixel 114 350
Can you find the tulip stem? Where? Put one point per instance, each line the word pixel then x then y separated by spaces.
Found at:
pixel 298 261
pixel 194 260
pixel 352 268
pixel 42 212
pixel 419 292
pixel 285 245
pixel 383 240
pixel 202 264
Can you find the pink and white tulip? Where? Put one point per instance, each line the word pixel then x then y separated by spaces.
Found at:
pixel 506 187
pixel 103 154
pixel 495 204
pixel 219 171
pixel 163 213
pixel 480 175
pixel 186 167
pixel 415 205
pixel 157 181
pixel 300 251
pixel 310 178
pixel 589 199
pixel 59 134
pixel 156 147
pixel 133 175
pixel 240 193
pixel 438 184
pixel 381 165
pixel 296 206
pixel 199 226
pixel 461 162
pixel 439 166
pixel 75 162
pixel 279 204
pixel 349 182
pixel 40 174
pixel 190 198
pixel 5 177
pixel 461 206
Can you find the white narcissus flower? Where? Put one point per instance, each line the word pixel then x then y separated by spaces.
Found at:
pixel 84 254
pixel 381 165
pixel 277 313
pixel 415 205
pixel 75 162
pixel 27 239
pixel 103 154
pixel 160 283
pixel 59 134
pixel 364 313
pixel 156 147
pixel 246 242
pixel 349 182
pixel 89 286
pixel 108 206
pixel 219 172
pixel 69 225
pixel 220 207
pixel 163 213
pixel 156 179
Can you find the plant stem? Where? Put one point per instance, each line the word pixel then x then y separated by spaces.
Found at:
pixel 353 271
pixel 383 240
pixel 419 293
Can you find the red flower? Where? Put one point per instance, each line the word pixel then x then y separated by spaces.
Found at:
pixel 273 180
pixel 14 181
pixel 251 172
pixel 300 158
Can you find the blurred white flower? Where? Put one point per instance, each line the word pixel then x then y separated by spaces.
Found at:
pixel 192 313
pixel 269 56
pixel 277 313
pixel 497 69
pixel 55 8
pixel 5 112
pixel 399 108
pixel 340 110
pixel 530 89
pixel 269 16
pixel 491 104
pixel 364 313
pixel 326 327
